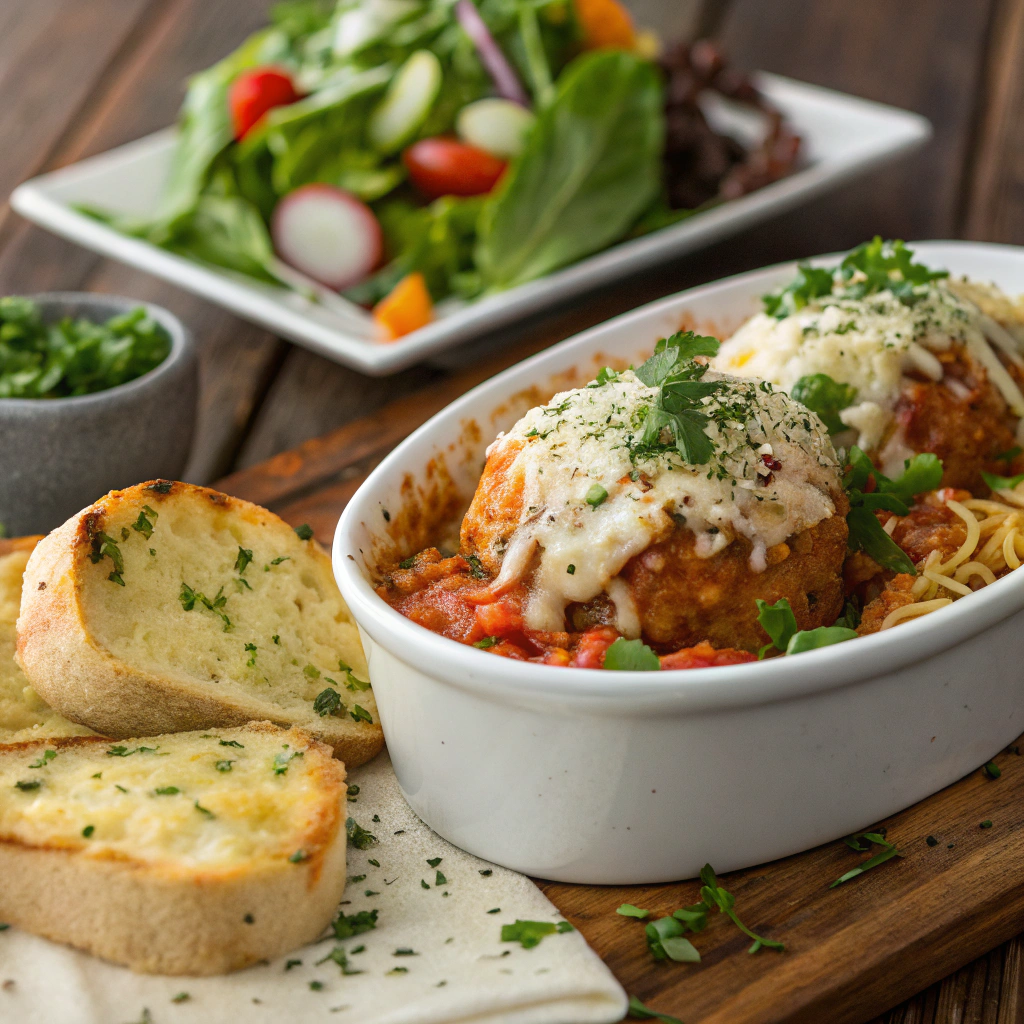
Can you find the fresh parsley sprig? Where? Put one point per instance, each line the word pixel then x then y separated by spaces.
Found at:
pixel 868 489
pixel 779 622
pixel 714 895
pixel 678 407
pixel 826 397
pixel 631 656
pixel 872 267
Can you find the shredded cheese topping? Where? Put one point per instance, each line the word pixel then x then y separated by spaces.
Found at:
pixel 769 477
pixel 873 342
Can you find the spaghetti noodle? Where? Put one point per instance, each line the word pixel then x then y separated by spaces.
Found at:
pixel 993 546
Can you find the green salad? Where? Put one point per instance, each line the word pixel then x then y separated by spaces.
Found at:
pixel 73 357
pixel 414 151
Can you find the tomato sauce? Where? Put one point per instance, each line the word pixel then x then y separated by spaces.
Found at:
pixel 452 597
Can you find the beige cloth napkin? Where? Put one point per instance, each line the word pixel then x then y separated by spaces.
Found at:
pixel 459 971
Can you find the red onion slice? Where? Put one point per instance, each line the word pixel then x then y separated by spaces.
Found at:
pixel 506 81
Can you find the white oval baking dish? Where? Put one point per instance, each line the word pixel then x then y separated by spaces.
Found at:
pixel 618 777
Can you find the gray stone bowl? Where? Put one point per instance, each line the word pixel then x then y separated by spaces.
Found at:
pixel 58 455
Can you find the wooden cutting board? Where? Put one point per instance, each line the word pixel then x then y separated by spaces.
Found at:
pixel 851 952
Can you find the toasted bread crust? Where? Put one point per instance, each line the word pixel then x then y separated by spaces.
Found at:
pixel 85 682
pixel 172 919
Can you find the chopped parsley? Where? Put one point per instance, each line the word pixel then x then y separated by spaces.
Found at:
pixel 224 766
pixel 440 879
pixel 434 861
pixel 161 486
pixel 529 933
pixel 122 751
pixel 596 495
pixel 327 702
pixel 88 831
pixel 181 997
pixel 992 770
pixel 631 656
pixel 487 642
pixel 189 598
pixel 358 836
pixel 304 532
pixel 106 547
pixel 346 926
pixel 628 910
pixel 167 791
pixel 407 563
pixel 339 957
pixel 862 842
pixel 986 823
pixel 243 560
pixel 232 743
pixel 638 1011
pixel 298 857
pixel 284 759
pixel 571 569
pixel 203 810
pixel 714 895
pixel 44 759
pixel 28 786
pixel 360 714
pixel 146 522
pixel 311 672
pixel 251 648
pixel 476 568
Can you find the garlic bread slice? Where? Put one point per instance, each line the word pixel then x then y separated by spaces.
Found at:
pixel 23 715
pixel 167 607
pixel 191 853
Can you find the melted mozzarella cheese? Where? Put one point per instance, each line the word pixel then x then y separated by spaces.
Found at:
pixel 249 810
pixel 589 439
pixel 871 343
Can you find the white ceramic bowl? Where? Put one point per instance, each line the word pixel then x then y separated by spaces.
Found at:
pixel 618 777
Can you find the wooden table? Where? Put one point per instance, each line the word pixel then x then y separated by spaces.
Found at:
pixel 80 76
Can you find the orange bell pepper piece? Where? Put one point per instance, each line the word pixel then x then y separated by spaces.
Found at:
pixel 605 23
pixel 406 308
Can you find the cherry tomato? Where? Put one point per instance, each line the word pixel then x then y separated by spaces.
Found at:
pixel 256 91
pixel 447 167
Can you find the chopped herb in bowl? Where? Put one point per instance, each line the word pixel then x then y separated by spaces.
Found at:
pixel 74 357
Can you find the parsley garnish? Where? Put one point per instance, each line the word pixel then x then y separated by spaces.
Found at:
pixel 146 521
pixel 434 861
pixel 666 937
pixel 1002 483
pixel 44 759
pixel 298 857
pixel 311 672
pixel 345 927
pixel 779 622
pixel 872 267
pixel 826 397
pixel 476 569
pixel 628 910
pixel 327 702
pixel 189 597
pixel 304 532
pixel 638 1011
pixel 251 648
pixel 597 495
pixel 358 836
pixel 527 933
pixel 337 956
pixel 88 831
pixel 921 473
pixel 161 486
pixel 714 895
pixel 167 791
pixel 992 770
pixel 202 810
pixel 487 642
pixel 243 560
pixel 232 743
pixel 224 766
pixel 854 843
pixel 106 547
pixel 407 563
pixel 181 997
pixel 440 879
pixel 360 714
pixel 282 760
pixel 28 786
pixel 631 656
pixel 677 407
pixel 122 751
pixel 571 569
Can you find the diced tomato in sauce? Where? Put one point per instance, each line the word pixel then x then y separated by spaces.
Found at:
pixel 442 595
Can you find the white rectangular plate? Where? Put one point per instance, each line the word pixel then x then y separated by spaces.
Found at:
pixel 843 136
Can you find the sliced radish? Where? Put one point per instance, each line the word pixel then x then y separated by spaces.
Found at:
pixel 407 102
pixel 328 234
pixel 498 127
